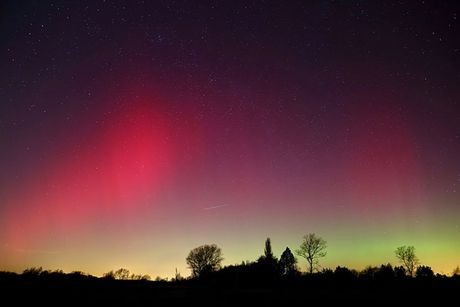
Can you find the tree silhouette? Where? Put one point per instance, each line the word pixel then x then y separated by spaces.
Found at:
pixel 424 272
pixel 385 272
pixel 33 271
pixel 345 274
pixel 312 248
pixel 177 276
pixel 268 250
pixel 287 262
pixel 368 273
pixel 268 258
pixel 406 255
pixel 140 277
pixel 400 272
pixel 122 274
pixel 109 275
pixel 203 259
pixel 266 267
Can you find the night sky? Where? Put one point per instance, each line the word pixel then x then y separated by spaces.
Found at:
pixel 132 132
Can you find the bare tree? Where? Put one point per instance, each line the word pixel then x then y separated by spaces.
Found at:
pixel 406 255
pixel 203 259
pixel 312 248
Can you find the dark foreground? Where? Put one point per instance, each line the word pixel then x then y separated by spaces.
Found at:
pixel 80 290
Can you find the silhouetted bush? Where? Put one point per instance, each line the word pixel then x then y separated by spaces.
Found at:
pixel 345 274
pixel 109 275
pixel 385 273
pixel 400 272
pixel 33 272
pixel 368 273
pixel 124 274
pixel 424 272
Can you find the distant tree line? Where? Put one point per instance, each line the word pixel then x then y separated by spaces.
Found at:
pixel 124 274
pixel 206 259
pixel 205 262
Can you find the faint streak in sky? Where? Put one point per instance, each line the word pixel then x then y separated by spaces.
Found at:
pixel 215 207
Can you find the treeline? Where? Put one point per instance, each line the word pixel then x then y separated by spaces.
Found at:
pixel 268 281
pixel 206 260
pixel 205 263
pixel 36 273
pixel 249 271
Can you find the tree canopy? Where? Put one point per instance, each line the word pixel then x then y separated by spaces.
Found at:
pixel 406 255
pixel 287 262
pixel 203 259
pixel 312 249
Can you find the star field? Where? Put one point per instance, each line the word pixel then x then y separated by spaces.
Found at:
pixel 133 131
